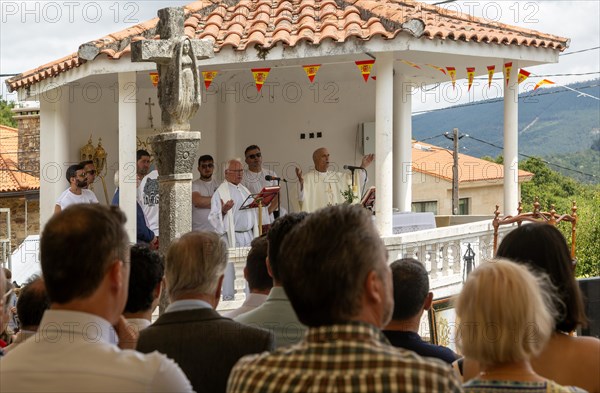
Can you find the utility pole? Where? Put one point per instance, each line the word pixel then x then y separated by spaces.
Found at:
pixel 454 138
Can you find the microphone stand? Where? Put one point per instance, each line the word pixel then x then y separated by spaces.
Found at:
pixel 276 212
pixel 354 188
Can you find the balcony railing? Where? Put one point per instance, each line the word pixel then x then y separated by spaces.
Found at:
pixel 441 250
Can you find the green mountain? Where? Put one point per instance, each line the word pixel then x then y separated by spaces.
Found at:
pixel 555 123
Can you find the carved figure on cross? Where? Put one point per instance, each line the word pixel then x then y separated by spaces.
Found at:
pixel 176 56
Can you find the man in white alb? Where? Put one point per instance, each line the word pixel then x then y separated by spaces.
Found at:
pixel 254 180
pixel 238 226
pixel 321 187
pixel 202 192
pixel 76 193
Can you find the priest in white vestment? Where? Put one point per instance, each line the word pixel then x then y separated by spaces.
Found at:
pixel 238 226
pixel 321 187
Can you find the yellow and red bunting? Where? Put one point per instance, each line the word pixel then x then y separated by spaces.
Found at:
pixel 507 69
pixel 311 71
pixel 543 82
pixel 470 76
pixel 491 70
pixel 440 69
pixel 452 73
pixel 208 77
pixel 154 78
pixel 365 67
pixel 522 75
pixel 260 77
pixel 410 63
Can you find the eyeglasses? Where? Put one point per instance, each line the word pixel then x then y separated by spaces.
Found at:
pixel 204 166
pixel 253 156
pixel 92 172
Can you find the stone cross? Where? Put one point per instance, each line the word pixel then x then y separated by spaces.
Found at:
pixel 175 55
pixel 150 104
pixel 175 147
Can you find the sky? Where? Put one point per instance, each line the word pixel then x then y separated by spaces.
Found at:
pixel 33 33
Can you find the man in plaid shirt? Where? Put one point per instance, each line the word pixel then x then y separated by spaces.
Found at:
pixel 335 273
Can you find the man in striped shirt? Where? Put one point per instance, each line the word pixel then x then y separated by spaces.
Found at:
pixel 334 270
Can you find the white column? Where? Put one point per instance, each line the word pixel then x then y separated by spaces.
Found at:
pixel 511 143
pixel 384 107
pixel 226 124
pixel 54 147
pixel 403 90
pixel 127 149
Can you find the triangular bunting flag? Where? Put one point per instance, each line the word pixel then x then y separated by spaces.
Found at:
pixel 208 77
pixel 410 63
pixel 470 76
pixel 260 77
pixel 452 73
pixel 543 82
pixel 440 69
pixel 365 67
pixel 507 68
pixel 491 70
pixel 154 78
pixel 311 71
pixel 523 75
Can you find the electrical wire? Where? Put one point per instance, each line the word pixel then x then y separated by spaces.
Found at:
pixel 580 51
pixel 528 156
pixel 491 101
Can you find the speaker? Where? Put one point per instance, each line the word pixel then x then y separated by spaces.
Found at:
pixel 590 287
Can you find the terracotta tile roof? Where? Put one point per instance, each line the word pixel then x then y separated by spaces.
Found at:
pixel 11 179
pixel 437 162
pixel 242 24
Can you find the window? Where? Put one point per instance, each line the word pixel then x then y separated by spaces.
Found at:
pixel 422 207
pixel 463 206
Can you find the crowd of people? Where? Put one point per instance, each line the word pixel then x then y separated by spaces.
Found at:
pixel 330 314
pixel 326 309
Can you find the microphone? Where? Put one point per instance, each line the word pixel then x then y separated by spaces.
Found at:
pixel 273 178
pixel 352 167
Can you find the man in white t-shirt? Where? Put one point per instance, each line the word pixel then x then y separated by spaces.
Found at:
pixel 202 192
pixel 142 165
pixel 76 193
pixel 254 180
pixel 147 197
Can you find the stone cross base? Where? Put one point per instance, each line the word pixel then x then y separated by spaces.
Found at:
pixel 175 157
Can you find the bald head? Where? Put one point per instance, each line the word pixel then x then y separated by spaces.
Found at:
pixel 321 159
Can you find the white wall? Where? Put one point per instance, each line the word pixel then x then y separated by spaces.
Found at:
pixel 287 106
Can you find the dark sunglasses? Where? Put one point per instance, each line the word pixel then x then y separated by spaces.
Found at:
pixel 253 156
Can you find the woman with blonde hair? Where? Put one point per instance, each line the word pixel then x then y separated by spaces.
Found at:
pixel 505 318
pixel 567 359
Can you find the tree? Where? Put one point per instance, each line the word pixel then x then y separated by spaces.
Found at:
pixel 6 115
pixel 553 188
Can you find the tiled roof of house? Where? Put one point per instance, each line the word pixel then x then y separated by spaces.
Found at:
pixel 11 178
pixel 437 162
pixel 243 24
